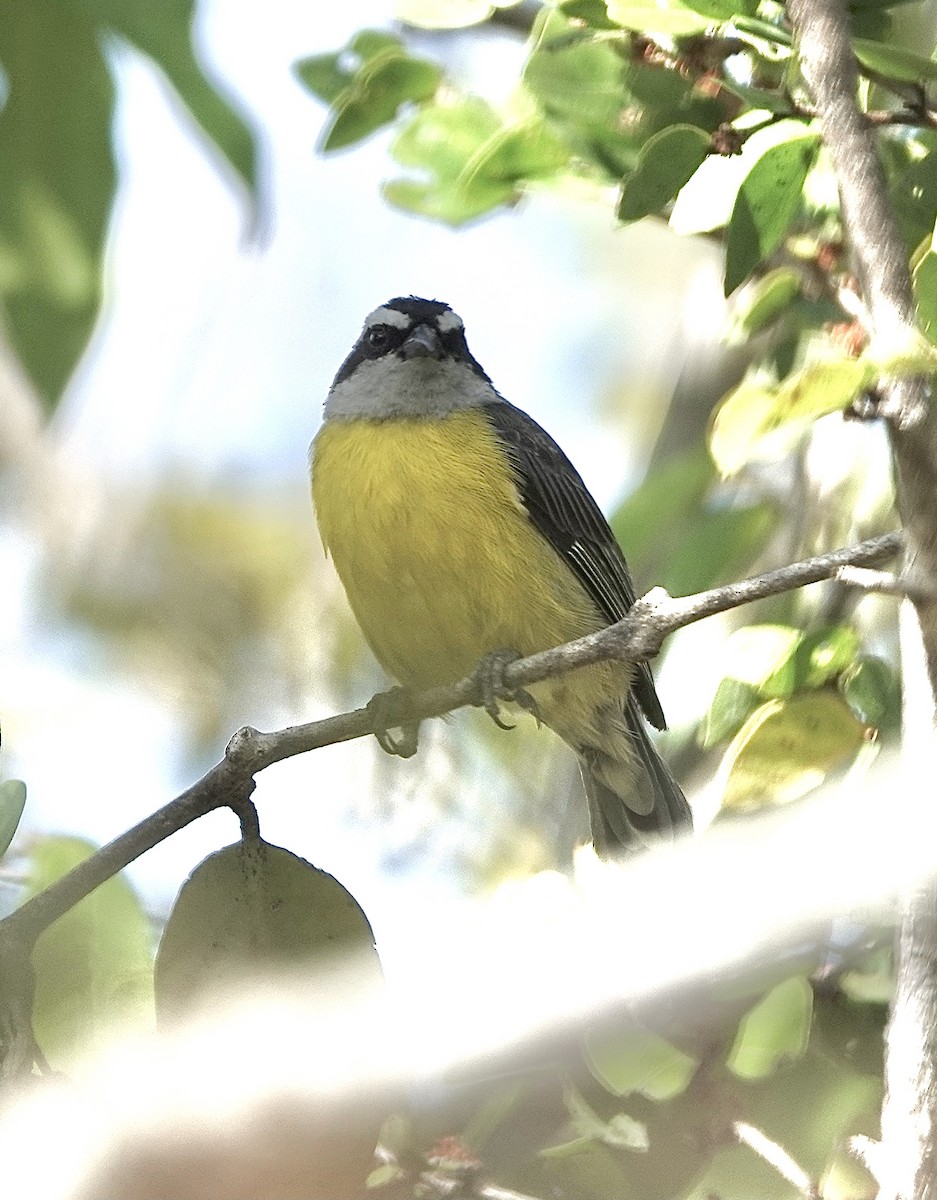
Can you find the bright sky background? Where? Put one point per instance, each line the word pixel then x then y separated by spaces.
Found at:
pixel 215 356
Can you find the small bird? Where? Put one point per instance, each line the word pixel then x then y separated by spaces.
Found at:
pixel 461 532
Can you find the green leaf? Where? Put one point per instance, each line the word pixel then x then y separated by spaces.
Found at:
pixel 911 170
pixel 474 163
pixel 323 75
pixel 766 203
pixel 722 10
pixel 756 419
pixel 873 692
pixel 382 86
pixel 741 424
pixel 759 655
pixel 666 162
pixel 638 1061
pixel 370 43
pixel 246 915
pixel 56 185
pixel 824 386
pixel 873 980
pixel 767 299
pixel 583 82
pixel 164 32
pixel 516 154
pixel 587 1168
pixel 823 654
pixel 93 966
pixel 621 1130
pixel 58 179
pixel 328 75
pixel 811 1106
pixel 872 23
pixel 894 62
pixel 249 910
pixel 779 661
pixel 734 701
pixel 385 1175
pixel 775 1031
pixel 706 202
pixel 767 31
pixel 592 12
pixel 646 16
pixel 12 803
pixel 786 748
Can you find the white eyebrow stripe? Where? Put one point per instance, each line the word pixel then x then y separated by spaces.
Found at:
pixel 388 316
pixel 447 321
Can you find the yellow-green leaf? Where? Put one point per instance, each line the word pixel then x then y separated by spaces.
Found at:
pixel 754 418
pixel 93 966
pixel 776 1030
pixel 638 1061
pixel 741 425
pixel 767 299
pixel 756 653
pixel 646 16
pixel 788 747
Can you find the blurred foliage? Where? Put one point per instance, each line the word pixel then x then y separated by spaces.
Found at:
pixel 94 966
pixel 208 597
pixel 794 1068
pixel 59 178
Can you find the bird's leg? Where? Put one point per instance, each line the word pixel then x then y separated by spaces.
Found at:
pixel 490 675
pixel 384 709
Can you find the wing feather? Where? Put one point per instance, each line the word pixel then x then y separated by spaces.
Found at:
pixel 563 510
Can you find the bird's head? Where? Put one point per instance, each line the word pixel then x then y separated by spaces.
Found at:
pixel 411 359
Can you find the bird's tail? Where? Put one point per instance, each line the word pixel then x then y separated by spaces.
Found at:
pixel 633 801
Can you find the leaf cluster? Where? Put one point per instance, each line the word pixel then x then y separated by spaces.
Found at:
pixel 59 176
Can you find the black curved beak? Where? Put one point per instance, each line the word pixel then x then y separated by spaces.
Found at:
pixel 423 342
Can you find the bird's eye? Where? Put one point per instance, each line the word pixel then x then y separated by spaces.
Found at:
pixel 379 337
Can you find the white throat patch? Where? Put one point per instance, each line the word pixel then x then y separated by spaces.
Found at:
pixel 418 387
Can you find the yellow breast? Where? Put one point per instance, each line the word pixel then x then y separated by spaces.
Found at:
pixel 438 557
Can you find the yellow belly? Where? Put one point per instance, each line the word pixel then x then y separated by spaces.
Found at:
pixel 441 563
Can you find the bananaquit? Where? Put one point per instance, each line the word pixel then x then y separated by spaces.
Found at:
pixel 459 528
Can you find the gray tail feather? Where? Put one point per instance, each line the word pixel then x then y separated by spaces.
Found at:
pixel 619 828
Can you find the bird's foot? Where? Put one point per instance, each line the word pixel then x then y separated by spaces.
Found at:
pixel 495 692
pixel 393 735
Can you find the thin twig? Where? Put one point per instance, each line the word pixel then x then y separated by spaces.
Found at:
pixel 776 1156
pixel 230 782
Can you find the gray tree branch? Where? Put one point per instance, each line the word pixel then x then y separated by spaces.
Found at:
pixel 230 782
pixel 909 1116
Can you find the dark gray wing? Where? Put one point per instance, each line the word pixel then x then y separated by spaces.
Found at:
pixel 562 509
